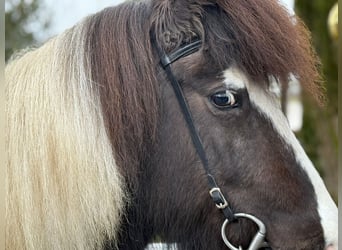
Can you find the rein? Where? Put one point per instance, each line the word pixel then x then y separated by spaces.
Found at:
pixel 214 190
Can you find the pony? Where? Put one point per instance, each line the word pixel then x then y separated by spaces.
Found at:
pixel 100 155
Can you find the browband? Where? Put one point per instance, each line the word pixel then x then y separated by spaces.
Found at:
pixel 188 49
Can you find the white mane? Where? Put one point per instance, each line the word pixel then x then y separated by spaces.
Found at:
pixel 63 187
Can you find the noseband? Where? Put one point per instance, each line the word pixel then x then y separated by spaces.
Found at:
pixel 214 190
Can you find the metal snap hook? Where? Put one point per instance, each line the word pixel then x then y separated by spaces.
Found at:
pixel 259 238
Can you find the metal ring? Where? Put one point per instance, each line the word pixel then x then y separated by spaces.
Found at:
pixel 259 238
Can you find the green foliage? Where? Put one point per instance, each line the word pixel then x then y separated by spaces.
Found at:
pixel 315 15
pixel 308 135
pixel 19 14
pixel 319 133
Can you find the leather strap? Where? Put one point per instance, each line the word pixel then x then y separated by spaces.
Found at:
pixel 166 61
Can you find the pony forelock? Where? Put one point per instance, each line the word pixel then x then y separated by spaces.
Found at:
pixel 258 36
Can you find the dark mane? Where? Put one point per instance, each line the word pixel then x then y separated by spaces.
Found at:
pixel 122 64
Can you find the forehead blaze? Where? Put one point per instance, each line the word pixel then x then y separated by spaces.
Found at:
pixel 233 78
pixel 265 102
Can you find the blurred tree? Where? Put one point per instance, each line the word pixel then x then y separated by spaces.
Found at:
pixel 319 133
pixel 19 15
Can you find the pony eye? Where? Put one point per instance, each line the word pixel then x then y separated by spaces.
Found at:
pixel 224 99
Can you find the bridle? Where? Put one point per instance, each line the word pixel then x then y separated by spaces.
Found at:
pixel 214 190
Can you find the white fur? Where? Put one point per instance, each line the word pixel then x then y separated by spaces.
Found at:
pixel 267 104
pixel 233 79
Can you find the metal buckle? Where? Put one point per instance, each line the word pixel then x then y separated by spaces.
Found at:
pixel 224 202
pixel 259 238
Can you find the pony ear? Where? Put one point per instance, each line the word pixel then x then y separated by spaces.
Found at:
pixel 177 21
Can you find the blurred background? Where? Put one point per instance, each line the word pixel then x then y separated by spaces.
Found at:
pixel 31 22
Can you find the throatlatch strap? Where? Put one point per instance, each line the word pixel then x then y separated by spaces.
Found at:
pixel 166 62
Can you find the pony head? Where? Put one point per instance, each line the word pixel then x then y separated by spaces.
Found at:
pixel 100 155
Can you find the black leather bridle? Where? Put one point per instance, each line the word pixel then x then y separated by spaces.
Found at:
pixel 214 190
pixel 166 61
